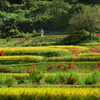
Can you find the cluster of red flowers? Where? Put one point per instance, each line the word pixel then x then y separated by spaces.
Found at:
pixel 2 53
pixel 88 66
pixel 72 64
pixel 76 50
pixel 48 69
pixel 61 64
pixel 52 65
pixel 67 67
pixel 97 34
pixel 97 67
pixel 95 49
pixel 30 41
pixel 34 67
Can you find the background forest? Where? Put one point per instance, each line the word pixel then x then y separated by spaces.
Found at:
pixel 29 16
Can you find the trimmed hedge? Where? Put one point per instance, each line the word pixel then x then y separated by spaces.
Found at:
pixel 58 59
pixel 89 54
pixel 50 93
pixel 89 44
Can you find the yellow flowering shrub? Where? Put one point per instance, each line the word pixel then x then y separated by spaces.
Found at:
pixel 50 93
pixel 89 54
pixel 20 57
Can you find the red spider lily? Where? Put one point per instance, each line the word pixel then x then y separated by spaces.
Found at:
pixel 88 66
pixel 74 51
pixel 98 50
pixel 61 64
pixel 80 70
pixel 48 69
pixel 30 41
pixel 80 50
pixel 2 53
pixel 72 61
pixel 99 62
pixel 34 67
pixel 66 68
pixel 97 34
pixel 52 65
pixel 77 54
pixel 97 66
pixel 94 50
pixel 72 64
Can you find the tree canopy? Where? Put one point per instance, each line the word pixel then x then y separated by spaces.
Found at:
pixel 88 19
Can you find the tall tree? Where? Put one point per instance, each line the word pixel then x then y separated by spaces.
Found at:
pixel 88 18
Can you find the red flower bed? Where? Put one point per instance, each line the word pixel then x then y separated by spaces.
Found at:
pixel 2 53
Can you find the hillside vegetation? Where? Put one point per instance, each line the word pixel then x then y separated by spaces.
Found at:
pixel 29 16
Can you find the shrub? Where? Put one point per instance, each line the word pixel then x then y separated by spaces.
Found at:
pixel 89 80
pixel 96 77
pixel 8 38
pixel 52 79
pixel 74 78
pixel 7 80
pixel 36 75
pixel 62 78
pixel 27 36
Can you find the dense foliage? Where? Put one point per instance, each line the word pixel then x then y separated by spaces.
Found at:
pixel 88 18
pixel 22 16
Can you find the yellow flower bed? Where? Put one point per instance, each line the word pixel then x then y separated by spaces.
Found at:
pixel 89 54
pixel 22 49
pixel 50 93
pixel 70 46
pixel 20 57
pixel 90 44
pixel 58 59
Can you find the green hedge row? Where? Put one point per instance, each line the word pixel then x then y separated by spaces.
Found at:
pixel 90 54
pixel 39 53
pixel 19 61
pixel 58 59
